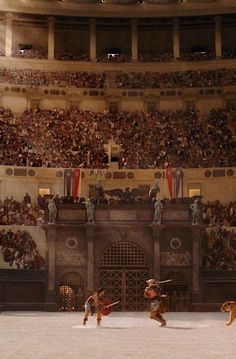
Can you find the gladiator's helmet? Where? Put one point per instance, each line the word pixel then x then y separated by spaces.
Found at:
pixel 152 281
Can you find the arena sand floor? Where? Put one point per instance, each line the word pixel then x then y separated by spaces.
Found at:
pixel 37 335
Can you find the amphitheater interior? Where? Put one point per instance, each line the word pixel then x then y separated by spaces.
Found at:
pixel 117 152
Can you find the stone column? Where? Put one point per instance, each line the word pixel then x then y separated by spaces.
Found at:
pixel 176 38
pixel 93 40
pixel 218 37
pixel 196 294
pixel 51 37
pixel 8 34
pixel 156 251
pixel 134 39
pixel 50 303
pixel 90 257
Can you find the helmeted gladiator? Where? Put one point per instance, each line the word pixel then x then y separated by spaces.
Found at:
pixel 153 292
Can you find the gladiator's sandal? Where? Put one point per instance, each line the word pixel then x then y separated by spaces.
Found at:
pixel 99 321
pixel 163 323
pixel 84 321
pixel 160 318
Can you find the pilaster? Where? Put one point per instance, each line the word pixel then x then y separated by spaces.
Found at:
pixel 134 39
pixel 196 264
pixel 50 302
pixel 8 35
pixel 176 39
pixel 218 37
pixel 51 37
pixel 90 257
pixel 93 40
pixel 156 251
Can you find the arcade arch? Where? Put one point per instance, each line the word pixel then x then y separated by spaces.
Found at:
pixel 71 292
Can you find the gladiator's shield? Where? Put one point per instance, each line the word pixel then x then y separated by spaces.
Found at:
pixel 107 307
pixel 106 311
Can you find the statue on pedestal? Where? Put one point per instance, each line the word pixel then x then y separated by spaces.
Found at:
pixel 196 212
pixel 158 211
pixel 52 211
pixel 90 211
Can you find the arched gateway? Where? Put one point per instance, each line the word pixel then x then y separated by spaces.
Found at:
pixel 71 292
pixel 123 271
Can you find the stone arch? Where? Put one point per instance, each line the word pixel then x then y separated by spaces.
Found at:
pixel 178 292
pixel 71 292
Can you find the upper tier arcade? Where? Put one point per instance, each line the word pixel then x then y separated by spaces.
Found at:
pixel 121 40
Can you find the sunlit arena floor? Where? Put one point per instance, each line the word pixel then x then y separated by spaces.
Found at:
pixel 36 335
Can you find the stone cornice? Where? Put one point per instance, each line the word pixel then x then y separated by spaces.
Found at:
pixel 57 8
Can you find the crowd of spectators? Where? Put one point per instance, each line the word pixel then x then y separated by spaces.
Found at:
pixel 54 138
pixel 217 214
pixel 179 138
pixel 20 250
pixel 37 78
pixel 229 54
pixel 219 249
pixel 177 79
pixel 60 138
pixel 156 57
pixel 198 56
pixel 30 53
pixel 114 58
pixel 204 55
pixel 69 56
pixel 25 213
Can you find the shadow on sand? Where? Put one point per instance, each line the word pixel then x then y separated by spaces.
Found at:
pixel 181 328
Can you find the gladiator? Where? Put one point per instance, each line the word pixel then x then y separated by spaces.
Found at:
pixel 94 304
pixel 153 292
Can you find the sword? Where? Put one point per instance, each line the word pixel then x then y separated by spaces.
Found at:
pixel 111 305
pixel 165 281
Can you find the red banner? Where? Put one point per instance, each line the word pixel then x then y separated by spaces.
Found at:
pixel 169 178
pixel 76 183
